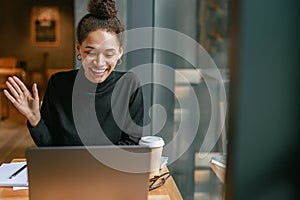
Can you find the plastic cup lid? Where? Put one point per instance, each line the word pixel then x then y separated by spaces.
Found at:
pixel 152 141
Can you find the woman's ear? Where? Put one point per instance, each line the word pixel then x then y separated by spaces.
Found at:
pixel 77 47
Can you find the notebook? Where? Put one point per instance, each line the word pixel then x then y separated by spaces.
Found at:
pixel 76 173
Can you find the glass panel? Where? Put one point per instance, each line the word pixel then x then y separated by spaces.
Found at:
pixel 185 68
pixel 204 22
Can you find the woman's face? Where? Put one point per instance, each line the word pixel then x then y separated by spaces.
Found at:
pixel 100 52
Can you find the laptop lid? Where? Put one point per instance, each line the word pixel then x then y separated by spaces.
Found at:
pixel 76 173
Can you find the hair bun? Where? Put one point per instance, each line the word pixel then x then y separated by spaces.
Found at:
pixel 103 8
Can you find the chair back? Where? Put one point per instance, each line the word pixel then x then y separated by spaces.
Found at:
pixel 5 63
pixel 8 62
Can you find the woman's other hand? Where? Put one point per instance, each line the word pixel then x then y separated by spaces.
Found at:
pixel 26 103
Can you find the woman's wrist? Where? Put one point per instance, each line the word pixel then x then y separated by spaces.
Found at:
pixel 34 119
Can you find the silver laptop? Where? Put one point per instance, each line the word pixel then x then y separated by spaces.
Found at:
pixel 88 173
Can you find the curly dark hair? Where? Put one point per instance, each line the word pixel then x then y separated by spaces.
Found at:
pixel 102 15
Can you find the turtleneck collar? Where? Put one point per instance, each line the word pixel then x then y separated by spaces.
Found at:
pixel 86 85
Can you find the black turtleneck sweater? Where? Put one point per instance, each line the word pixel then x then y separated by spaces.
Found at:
pixel 76 111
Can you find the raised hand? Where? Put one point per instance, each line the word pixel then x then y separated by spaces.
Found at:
pixel 25 102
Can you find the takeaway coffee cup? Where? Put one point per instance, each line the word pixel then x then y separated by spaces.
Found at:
pixel 156 144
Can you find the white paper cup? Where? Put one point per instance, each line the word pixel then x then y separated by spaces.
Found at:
pixel 156 144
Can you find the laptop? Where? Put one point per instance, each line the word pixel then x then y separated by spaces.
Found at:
pixel 91 173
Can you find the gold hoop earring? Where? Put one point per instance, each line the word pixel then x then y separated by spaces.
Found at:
pixel 78 56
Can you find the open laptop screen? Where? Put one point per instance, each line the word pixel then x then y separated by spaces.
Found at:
pixel 86 173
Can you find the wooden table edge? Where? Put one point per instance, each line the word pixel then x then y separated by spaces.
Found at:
pixel 170 186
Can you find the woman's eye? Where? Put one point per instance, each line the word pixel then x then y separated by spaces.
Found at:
pixel 109 55
pixel 90 53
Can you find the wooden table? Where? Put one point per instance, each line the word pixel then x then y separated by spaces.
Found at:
pixel 168 191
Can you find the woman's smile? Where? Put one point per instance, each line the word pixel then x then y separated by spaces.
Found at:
pixel 100 52
pixel 99 71
pixel 98 74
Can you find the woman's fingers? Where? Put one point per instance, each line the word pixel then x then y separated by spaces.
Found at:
pixel 15 85
pixel 20 83
pixel 12 90
pixel 25 101
pixel 35 92
pixel 11 98
pixel 17 91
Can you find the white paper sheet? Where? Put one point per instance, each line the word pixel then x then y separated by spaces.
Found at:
pixel 7 169
pixel 20 188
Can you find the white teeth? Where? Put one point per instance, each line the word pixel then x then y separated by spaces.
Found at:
pixel 99 71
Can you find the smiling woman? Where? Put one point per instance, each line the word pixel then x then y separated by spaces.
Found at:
pixel 99 47
pixel 100 52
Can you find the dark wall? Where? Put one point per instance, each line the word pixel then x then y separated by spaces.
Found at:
pixel 264 123
pixel 15 31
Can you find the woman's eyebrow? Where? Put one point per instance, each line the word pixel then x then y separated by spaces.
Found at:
pixel 112 49
pixel 89 47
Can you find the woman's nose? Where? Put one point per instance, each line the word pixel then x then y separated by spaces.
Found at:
pixel 100 60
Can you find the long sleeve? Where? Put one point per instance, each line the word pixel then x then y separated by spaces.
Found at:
pixel 136 107
pixel 128 105
pixel 40 133
pixel 117 103
pixel 57 125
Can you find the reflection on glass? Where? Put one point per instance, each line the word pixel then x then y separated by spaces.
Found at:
pixel 205 22
pixel 207 25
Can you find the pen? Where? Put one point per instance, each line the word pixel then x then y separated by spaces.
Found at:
pixel 17 172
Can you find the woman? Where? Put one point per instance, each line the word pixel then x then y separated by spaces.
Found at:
pixel 71 98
